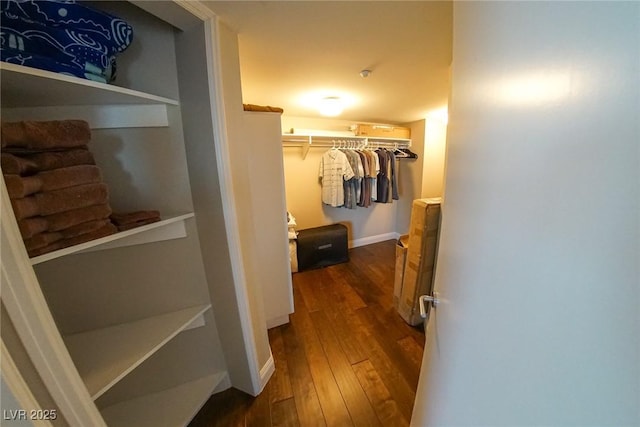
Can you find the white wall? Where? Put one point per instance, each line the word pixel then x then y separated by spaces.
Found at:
pixel 538 267
pixel 411 177
pixel 239 166
pixel 271 262
pixel 435 142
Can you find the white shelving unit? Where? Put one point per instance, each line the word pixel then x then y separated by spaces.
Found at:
pixel 30 87
pixel 172 407
pixel 104 356
pixel 104 314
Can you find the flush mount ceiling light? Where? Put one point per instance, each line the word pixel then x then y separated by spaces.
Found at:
pixel 330 106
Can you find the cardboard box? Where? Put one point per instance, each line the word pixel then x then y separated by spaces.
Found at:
pixel 383 131
pixel 401 260
pixel 419 270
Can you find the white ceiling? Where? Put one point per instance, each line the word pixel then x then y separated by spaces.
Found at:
pixel 293 50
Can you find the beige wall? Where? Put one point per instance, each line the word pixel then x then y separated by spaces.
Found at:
pixel 410 177
pixel 435 141
pixel 239 166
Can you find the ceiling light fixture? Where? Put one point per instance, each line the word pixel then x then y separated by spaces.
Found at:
pixel 365 73
pixel 331 106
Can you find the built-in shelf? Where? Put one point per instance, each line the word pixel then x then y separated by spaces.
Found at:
pixel 171 228
pixel 174 407
pixel 104 356
pixel 30 87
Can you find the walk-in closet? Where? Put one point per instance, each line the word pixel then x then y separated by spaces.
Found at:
pixel 233 213
pixel 193 288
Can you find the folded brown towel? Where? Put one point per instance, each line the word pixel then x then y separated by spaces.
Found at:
pixel 26 207
pixel 137 224
pixel 67 219
pixel 84 228
pixel 52 202
pixel 106 230
pixel 61 159
pixel 119 218
pixel 32 226
pixel 17 165
pixel 19 187
pixel 41 240
pixel 69 177
pixel 48 135
pixel 262 108
pixel 56 179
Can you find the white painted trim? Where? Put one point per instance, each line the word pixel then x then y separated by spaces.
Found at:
pixel 197 9
pixel 224 384
pixel 373 239
pixel 277 321
pixel 29 312
pixel 19 388
pixel 214 58
pixel 266 372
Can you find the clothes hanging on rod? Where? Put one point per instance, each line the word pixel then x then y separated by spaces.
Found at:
pixel 334 170
pixel 404 153
pixel 352 177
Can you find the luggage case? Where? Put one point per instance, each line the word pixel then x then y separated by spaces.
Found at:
pixel 322 246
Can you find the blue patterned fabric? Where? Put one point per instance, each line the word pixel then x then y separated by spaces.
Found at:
pixel 62 36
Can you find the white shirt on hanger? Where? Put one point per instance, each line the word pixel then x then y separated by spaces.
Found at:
pixel 334 170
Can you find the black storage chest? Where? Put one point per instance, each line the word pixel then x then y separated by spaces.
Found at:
pixel 322 246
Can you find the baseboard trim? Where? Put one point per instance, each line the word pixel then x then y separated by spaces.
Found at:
pixel 373 239
pixel 277 321
pixel 224 384
pixel 265 373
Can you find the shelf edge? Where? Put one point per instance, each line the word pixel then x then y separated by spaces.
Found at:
pixel 76 81
pixel 85 247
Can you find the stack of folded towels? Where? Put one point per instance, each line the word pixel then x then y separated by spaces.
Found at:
pixel 62 36
pixel 127 221
pixel 55 187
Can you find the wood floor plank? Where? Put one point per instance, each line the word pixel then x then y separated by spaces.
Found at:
pixel 386 408
pixel 235 403
pixel 306 284
pixel 342 288
pixel 389 345
pixel 413 350
pixel 334 308
pixel 366 289
pixel 259 410
pixel 400 390
pixel 284 414
pixel 333 406
pixel 304 392
pixel 361 411
pixel 279 384
pixel 346 355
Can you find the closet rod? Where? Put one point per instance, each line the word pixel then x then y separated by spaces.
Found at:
pixel 359 142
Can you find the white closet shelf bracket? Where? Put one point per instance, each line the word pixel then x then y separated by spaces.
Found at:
pixel 360 142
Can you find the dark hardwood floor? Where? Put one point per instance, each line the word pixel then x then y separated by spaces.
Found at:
pixel 346 358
